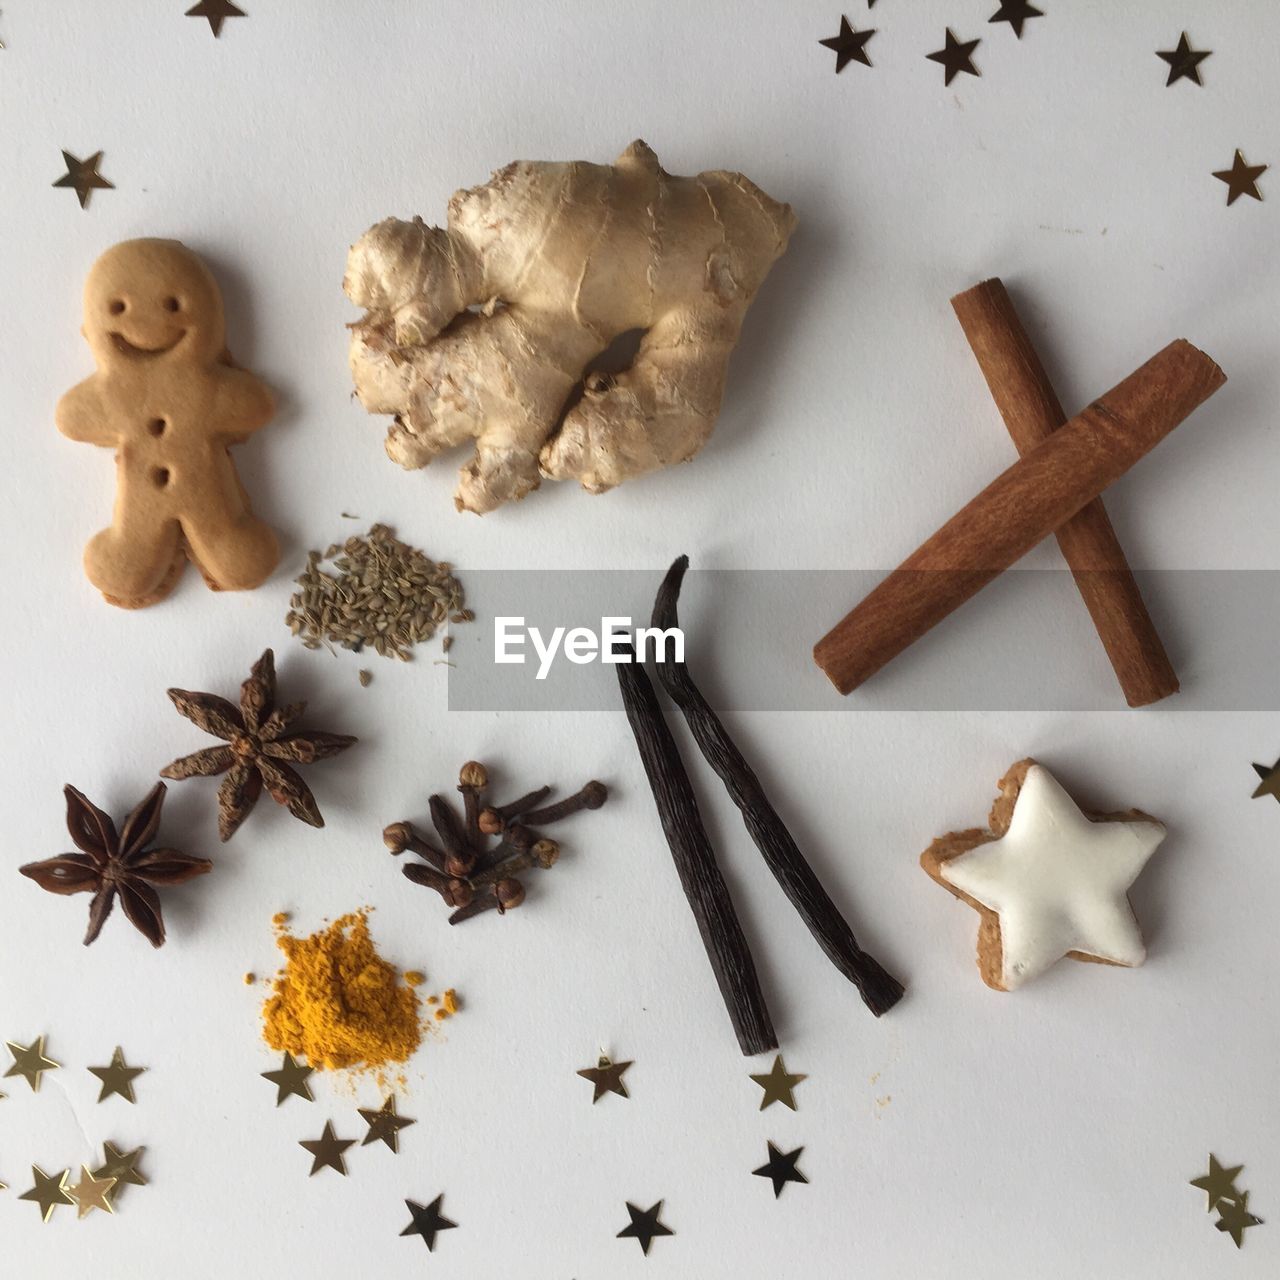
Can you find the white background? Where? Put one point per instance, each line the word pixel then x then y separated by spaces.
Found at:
pixel 1050 1133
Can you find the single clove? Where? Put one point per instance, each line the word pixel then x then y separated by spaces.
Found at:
pixel 473 778
pixel 542 853
pixel 494 818
pixel 592 796
pixel 505 895
pixel 455 892
pixel 400 836
pixel 460 857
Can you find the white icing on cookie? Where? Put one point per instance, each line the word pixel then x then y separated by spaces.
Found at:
pixel 1057 881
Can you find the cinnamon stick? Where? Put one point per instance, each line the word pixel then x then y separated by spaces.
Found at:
pixel 1021 507
pixel 1031 410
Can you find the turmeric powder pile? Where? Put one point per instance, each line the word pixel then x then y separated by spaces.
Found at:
pixel 338 1003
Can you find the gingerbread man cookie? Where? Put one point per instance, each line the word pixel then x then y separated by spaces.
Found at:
pixel 1047 879
pixel 170 403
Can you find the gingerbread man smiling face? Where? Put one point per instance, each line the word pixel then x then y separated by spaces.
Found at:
pixel 167 399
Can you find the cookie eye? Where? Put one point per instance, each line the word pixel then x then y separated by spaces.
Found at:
pixel 172 304
pixel 117 307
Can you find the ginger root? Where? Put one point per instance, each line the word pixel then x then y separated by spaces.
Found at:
pixel 484 330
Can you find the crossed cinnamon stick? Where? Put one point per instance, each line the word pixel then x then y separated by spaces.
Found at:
pixel 1053 487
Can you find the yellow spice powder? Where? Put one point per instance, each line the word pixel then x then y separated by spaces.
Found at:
pixel 338 1003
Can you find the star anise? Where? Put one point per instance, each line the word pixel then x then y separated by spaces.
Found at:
pixel 259 748
pixel 115 864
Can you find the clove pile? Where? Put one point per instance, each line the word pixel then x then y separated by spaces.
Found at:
pixel 480 858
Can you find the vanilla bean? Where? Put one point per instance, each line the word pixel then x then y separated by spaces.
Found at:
pixel 695 860
pixel 879 990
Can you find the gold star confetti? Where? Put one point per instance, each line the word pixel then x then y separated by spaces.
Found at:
pixel 1184 62
pixel 1219 1183
pixel 427 1221
pixel 781 1168
pixel 606 1076
pixel 83 178
pixel 1016 13
pixel 1241 179
pixel 49 1191
pixel 778 1085
pixel 644 1226
pixel 385 1124
pixel 117 1078
pixel 290 1078
pixel 1270 784
pixel 1235 1219
pixel 217 12
pixel 92 1193
pixel 848 45
pixel 956 56
pixel 122 1166
pixel 327 1150
pixel 30 1062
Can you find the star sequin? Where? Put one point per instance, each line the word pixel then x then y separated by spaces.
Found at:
pixel 122 1166
pixel 1241 178
pixel 1235 1219
pixel 1184 62
pixel 606 1076
pixel 290 1079
pixel 956 56
pixel 644 1226
pixel 83 178
pixel 92 1193
pixel 427 1221
pixel 49 1192
pixel 1219 1183
pixel 1016 13
pixel 781 1168
pixel 217 12
pixel 849 45
pixel 385 1124
pixel 1270 784
pixel 327 1150
pixel 778 1084
pixel 117 1078
pixel 29 1062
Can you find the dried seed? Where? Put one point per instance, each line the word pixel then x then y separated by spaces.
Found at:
pixel 373 590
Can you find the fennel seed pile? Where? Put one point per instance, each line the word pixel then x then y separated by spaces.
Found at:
pixel 380 594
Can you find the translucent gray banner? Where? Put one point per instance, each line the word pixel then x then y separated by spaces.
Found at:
pixel 1024 643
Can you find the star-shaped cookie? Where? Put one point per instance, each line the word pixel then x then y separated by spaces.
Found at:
pixel 1047 879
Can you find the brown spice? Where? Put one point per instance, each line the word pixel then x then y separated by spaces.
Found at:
pixel 385 595
pixel 260 745
pixel 470 874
